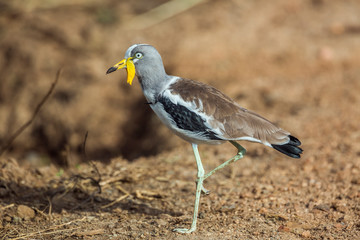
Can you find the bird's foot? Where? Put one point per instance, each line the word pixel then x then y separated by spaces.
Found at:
pixel 205 191
pixel 184 230
pixel 238 156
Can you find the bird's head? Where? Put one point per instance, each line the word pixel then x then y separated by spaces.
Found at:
pixel 140 59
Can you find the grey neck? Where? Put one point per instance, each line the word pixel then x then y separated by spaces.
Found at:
pixel 152 81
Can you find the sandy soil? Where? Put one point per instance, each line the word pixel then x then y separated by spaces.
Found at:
pixel 295 62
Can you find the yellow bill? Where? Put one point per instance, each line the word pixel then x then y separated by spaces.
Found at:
pixel 130 68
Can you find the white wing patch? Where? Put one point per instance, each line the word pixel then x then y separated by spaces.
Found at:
pixel 193 106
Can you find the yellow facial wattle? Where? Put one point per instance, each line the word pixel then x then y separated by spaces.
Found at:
pixel 130 67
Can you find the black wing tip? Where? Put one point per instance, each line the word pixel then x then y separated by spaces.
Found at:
pixel 291 148
pixel 294 141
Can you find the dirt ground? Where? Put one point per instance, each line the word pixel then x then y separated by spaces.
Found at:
pixel 295 62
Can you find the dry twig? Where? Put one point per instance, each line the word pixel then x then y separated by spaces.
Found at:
pixel 79 180
pixel 160 13
pixel 91 162
pixel 8 206
pixel 51 230
pixel 40 212
pixel 116 201
pixel 147 195
pixel 50 207
pixel 12 138
pixel 89 233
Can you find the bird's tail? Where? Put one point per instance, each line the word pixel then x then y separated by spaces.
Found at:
pixel 291 148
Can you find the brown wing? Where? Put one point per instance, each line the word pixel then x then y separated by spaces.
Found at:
pixel 234 121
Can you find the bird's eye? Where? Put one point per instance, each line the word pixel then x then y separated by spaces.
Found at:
pixel 138 55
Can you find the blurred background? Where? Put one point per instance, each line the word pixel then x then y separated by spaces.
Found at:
pixel 295 62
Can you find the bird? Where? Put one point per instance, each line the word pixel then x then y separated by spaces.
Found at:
pixel 200 114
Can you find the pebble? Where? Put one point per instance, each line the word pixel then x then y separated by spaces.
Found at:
pixel 263 211
pixel 306 234
pixel 7 218
pixel 322 207
pixel 161 222
pixel 25 212
pixel 340 207
pixel 283 228
pixel 339 226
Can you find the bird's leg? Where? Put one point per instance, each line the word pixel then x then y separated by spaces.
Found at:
pixel 199 188
pixel 240 154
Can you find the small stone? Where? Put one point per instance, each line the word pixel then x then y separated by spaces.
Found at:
pixel 227 208
pixel 276 217
pixel 326 54
pixel 322 207
pixel 25 212
pixel 340 207
pixel 17 219
pixel 339 226
pixel 63 211
pixel 164 216
pixel 7 218
pixel 306 234
pixel 161 222
pixel 283 228
pixel 293 225
pixel 263 211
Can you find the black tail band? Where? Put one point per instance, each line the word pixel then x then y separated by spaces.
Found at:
pixel 291 148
